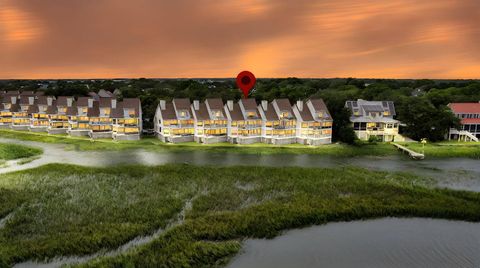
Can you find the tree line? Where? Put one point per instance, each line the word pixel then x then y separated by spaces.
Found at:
pixel 420 104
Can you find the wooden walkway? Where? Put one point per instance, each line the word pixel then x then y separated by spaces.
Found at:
pixel 413 154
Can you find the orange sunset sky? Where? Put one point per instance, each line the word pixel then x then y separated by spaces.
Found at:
pixel 211 38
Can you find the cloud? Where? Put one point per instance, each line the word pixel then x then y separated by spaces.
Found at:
pixel 323 38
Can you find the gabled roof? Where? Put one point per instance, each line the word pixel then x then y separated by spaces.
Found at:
pixel 39 93
pixel 52 109
pixel 105 94
pixel 270 113
pixel 202 112
pixel 105 102
pixel 117 112
pixel 363 107
pixel 216 105
pixel 26 93
pixel 181 104
pixel 169 112
pixel 13 92
pixel 132 103
pixel 305 113
pixel 320 106
pixel 283 105
pixel 465 108
pixel 25 100
pixel 83 101
pixel 249 104
pixel 62 100
pixel 93 111
pixel 236 114
pixel 42 100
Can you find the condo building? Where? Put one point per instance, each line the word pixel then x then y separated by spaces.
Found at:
pixel 469 114
pixel 279 123
pixel 104 117
pixel 174 121
pixel 244 122
pixel 374 119
pixel 314 122
pixel 210 121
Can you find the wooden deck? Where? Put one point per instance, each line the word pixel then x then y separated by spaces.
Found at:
pixel 411 153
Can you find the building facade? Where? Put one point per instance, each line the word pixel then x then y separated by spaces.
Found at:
pixel 210 121
pixel 103 117
pixel 174 121
pixel 279 123
pixel 374 119
pixel 314 122
pixel 469 114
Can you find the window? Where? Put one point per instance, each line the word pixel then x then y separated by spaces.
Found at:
pixel 284 115
pixel 183 113
pixel 251 114
pixel 320 114
pixel 386 113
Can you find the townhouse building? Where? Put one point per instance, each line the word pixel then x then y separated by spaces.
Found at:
pixel 174 121
pixel 244 122
pixel 279 123
pixel 210 121
pixel 374 119
pixel 39 121
pixel 8 106
pixel 104 117
pixel 469 114
pixel 314 122
pixel 20 116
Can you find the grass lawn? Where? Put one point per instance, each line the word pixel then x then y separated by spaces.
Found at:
pixel 10 151
pixel 62 210
pixel 152 143
pixel 448 149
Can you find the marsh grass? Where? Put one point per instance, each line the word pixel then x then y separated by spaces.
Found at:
pixel 64 210
pixel 10 151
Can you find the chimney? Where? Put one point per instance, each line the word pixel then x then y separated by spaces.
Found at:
pixel 30 100
pixel 14 100
pixel 162 104
pixel 49 101
pixel 196 105
pixel 300 105
pixel 264 105
pixel 90 103
pixel 69 102
pixel 114 103
pixel 230 105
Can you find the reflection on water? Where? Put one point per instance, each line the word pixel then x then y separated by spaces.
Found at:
pixel 456 173
pixel 387 242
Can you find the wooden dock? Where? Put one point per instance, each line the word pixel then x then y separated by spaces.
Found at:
pixel 411 153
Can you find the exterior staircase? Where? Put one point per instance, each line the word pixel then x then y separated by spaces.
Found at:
pixel 464 135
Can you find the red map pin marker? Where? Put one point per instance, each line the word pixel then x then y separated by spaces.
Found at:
pixel 245 81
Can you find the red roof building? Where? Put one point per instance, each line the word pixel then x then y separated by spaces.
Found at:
pixel 469 114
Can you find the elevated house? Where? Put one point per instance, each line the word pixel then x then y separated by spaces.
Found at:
pixel 244 122
pixel 100 120
pixel 279 123
pixel 78 117
pixel 58 118
pixel 39 121
pixel 21 117
pixel 127 119
pixel 469 114
pixel 210 121
pixel 374 119
pixel 174 121
pixel 8 105
pixel 314 122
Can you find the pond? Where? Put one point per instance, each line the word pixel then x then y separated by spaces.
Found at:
pixel 389 242
pixel 455 173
